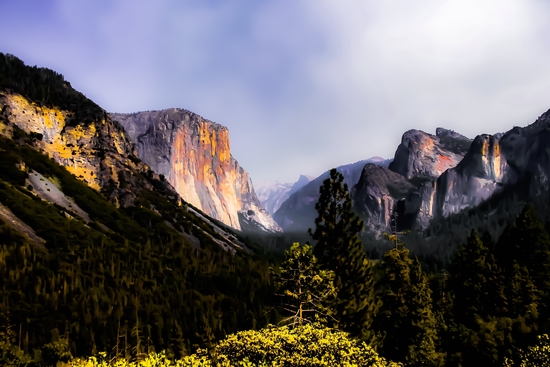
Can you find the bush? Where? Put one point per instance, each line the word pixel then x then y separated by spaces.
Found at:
pixel 289 347
pixel 56 352
pixel 537 355
pixel 300 346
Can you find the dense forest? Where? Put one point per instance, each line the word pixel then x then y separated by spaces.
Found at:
pixel 129 285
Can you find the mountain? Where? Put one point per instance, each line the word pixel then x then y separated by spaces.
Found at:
pixel 518 159
pixel 298 213
pixel 273 193
pixel 422 158
pixel 193 154
pixel 94 244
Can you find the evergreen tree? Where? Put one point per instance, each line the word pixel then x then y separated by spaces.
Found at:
pixel 406 318
pixel 305 287
pixel 338 248
pixel 527 244
pixel 476 282
pixel 494 310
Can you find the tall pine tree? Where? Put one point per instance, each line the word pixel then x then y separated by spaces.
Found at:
pixel 527 246
pixel 406 318
pixel 338 248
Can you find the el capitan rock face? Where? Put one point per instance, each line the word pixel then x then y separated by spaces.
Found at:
pixel 194 155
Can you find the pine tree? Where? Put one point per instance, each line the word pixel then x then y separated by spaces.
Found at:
pixel 494 308
pixel 528 244
pixel 338 248
pixel 406 318
pixel 476 282
pixel 305 287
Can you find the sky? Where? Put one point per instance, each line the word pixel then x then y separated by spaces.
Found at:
pixel 302 85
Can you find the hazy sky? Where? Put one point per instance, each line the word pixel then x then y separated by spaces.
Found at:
pixel 302 85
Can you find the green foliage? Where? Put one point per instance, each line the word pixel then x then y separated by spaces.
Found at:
pixel 476 282
pixel 406 317
pixel 48 88
pixel 54 352
pixel 13 356
pixel 130 269
pixel 527 244
pixel 305 287
pixel 338 248
pixel 302 346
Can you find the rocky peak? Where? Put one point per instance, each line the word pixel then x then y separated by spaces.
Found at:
pixel 424 156
pixel 194 155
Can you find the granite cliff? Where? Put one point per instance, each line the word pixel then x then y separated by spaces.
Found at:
pixel 95 149
pixel 193 154
pixel 422 158
pixel 376 195
pixel 493 163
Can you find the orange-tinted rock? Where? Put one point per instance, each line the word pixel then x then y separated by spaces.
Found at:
pixel 195 157
pixel 96 151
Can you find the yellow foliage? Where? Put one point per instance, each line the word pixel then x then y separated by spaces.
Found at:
pixel 301 346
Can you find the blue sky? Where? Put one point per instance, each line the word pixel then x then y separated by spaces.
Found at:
pixel 302 85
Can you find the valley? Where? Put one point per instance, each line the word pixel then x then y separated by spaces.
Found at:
pixel 138 234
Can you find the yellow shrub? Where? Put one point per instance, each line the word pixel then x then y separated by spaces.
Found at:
pixel 270 347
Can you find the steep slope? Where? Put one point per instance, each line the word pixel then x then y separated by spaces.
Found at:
pixel 193 154
pixel 298 213
pixel 273 194
pixel 45 113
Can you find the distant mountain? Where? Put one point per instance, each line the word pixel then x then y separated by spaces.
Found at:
pixel 273 193
pixel 297 213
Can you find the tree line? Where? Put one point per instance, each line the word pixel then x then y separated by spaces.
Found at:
pixel 486 307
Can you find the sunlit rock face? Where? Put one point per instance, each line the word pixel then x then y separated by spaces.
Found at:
pixel 423 158
pixel 95 149
pixel 194 155
pixel 476 178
